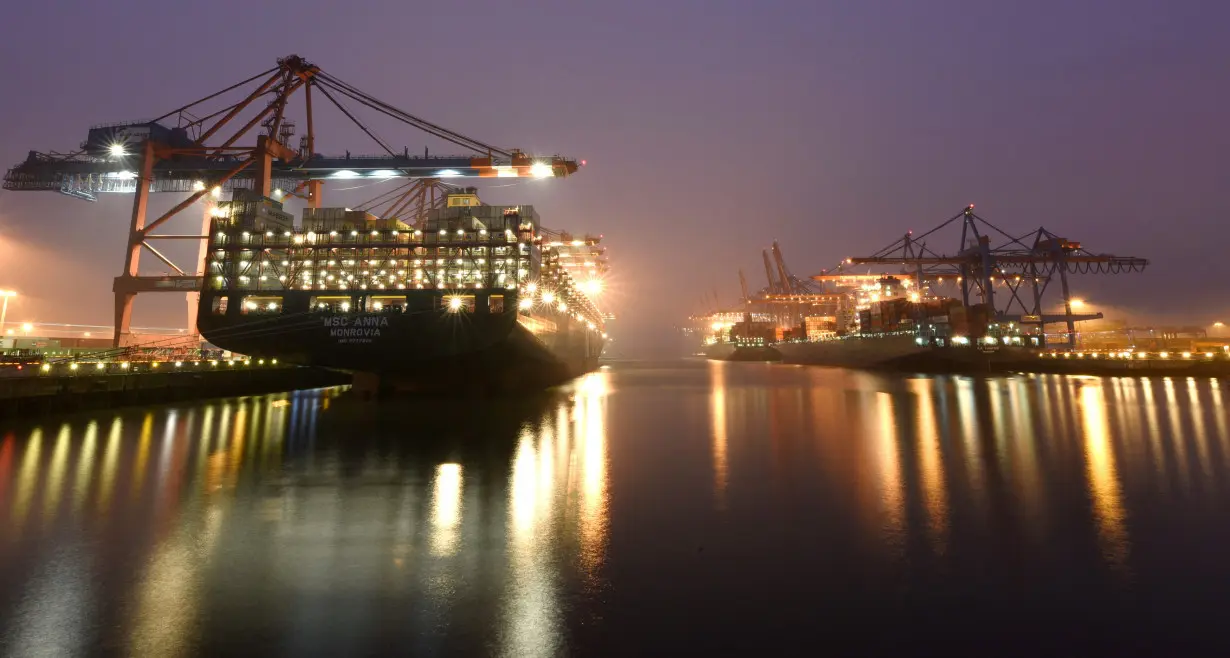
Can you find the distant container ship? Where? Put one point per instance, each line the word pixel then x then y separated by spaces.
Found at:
pixel 936 334
pixel 943 336
pixel 474 298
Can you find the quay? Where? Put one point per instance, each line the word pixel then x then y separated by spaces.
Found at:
pixel 30 390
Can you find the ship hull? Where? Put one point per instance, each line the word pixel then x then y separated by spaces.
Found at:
pixel 419 351
pixel 732 352
pixel 901 352
pixel 854 351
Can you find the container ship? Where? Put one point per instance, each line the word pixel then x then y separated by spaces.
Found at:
pixel 477 296
pixel 911 333
pixel 734 336
pixel 905 322
pixel 938 334
pixel 881 323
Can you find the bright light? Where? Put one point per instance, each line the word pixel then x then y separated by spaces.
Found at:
pixel 8 293
pixel 27 327
pixel 592 287
pixel 454 304
pixel 541 170
pixel 198 186
pixel 1219 325
pixel 548 297
pixel 117 150
pixel 1078 303
pixel 562 307
pixel 217 191
pixel 525 303
pixel 532 288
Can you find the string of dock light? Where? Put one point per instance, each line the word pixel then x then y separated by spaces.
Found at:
pixel 131 366
pixel 1128 355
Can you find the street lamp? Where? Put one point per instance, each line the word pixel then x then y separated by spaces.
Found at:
pixel 4 310
pixel 27 328
pixel 1075 305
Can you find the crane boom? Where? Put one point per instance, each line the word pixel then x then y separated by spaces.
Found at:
pixel 743 285
pixel 768 270
pixel 787 287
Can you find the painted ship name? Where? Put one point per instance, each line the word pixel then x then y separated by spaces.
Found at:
pixel 359 329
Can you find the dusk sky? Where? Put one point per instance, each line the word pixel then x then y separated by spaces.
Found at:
pixel 710 128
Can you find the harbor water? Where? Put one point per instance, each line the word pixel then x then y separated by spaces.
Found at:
pixel 648 508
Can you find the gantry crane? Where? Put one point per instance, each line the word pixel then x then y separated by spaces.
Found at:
pixel 411 201
pixel 768 272
pixel 1032 261
pixel 786 297
pixel 196 148
pixel 787 286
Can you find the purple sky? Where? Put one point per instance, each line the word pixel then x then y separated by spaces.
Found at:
pixel 710 128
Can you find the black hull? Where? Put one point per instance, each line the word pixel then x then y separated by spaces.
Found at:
pixel 427 350
pixel 731 352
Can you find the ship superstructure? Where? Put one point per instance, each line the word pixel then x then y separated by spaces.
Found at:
pixel 474 289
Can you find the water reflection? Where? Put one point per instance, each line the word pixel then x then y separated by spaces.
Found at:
pixel 931 465
pixel 498 526
pixel 930 456
pixel 717 412
pixel 446 509
pixel 1103 477
pixel 881 424
pixel 274 492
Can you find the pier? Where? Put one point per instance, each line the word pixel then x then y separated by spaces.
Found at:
pixel 29 390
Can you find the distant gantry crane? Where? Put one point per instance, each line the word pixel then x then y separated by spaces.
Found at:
pixel 213 145
pixel 787 299
pixel 834 302
pixel 1024 266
